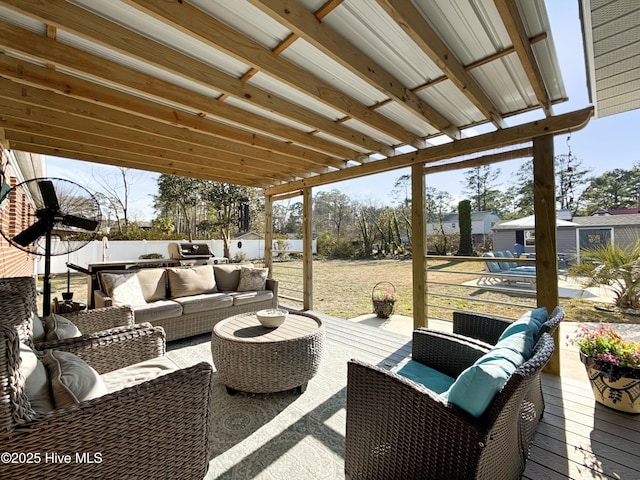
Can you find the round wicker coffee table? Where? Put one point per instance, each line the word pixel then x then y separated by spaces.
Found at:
pixel 251 358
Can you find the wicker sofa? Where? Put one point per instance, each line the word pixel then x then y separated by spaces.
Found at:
pixel 399 428
pixel 108 405
pixel 187 301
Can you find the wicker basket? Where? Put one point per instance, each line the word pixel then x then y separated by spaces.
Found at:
pixel 383 307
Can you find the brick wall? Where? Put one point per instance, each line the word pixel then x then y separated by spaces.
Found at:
pixel 13 219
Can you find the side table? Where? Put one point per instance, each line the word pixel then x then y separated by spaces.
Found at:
pixel 251 358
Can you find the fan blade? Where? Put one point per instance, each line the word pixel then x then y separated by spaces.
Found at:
pixel 32 233
pixel 79 222
pixel 49 196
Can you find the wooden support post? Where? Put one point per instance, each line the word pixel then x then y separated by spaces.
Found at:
pixel 268 233
pixel 307 246
pixel 544 199
pixel 418 246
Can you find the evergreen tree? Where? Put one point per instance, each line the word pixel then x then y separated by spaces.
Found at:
pixel 464 220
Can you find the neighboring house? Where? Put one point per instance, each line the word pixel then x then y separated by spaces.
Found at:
pixel 16 167
pixel 579 233
pixel 481 225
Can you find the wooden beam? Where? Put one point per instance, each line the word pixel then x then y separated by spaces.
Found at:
pixel 512 20
pixel 544 201
pixel 211 31
pixel 409 18
pixel 307 245
pixel 418 248
pixel 109 34
pixel 33 45
pixel 268 234
pixel 70 140
pixel 480 161
pixel 118 125
pixel 305 24
pixel 509 136
pixel 105 159
pixel 67 85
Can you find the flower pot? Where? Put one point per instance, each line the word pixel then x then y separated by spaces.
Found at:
pixel 613 386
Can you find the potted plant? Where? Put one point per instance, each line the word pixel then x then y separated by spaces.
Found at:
pixel 613 367
pixel 613 266
pixel 384 299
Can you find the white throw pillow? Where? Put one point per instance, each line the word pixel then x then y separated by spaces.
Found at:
pixel 124 289
pixel 252 279
pixel 36 386
pixel 72 379
pixel 59 328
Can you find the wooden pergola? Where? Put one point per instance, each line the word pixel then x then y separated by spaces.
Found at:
pixel 286 96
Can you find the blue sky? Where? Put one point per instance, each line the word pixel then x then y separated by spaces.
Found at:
pixel 604 144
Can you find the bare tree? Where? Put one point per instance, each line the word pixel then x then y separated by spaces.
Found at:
pixel 114 197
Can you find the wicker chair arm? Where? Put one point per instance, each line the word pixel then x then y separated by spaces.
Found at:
pixel 101 300
pixel 89 321
pixel 272 284
pixel 116 348
pixel 157 429
pixel 482 327
pixel 445 352
pixel 397 428
pixel 553 323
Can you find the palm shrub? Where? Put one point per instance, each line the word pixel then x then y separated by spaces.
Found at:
pixel 614 266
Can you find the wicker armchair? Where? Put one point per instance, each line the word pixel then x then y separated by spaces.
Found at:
pixel 88 322
pixel 487 330
pixel 397 428
pixel 156 429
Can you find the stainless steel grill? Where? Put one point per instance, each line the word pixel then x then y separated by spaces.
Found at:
pixel 194 254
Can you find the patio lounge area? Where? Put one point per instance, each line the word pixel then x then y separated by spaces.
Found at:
pixel 286 434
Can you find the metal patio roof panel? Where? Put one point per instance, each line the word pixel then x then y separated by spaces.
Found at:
pixel 368 27
pixel 349 79
pixel 305 55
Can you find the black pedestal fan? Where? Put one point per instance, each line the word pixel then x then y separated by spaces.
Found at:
pixel 63 217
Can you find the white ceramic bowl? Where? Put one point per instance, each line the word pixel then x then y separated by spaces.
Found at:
pixel 272 317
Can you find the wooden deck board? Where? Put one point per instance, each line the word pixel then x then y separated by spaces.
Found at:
pixel 577 438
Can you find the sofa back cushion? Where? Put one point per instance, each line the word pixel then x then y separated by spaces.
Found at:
pixel 188 281
pixel 228 276
pixel 153 282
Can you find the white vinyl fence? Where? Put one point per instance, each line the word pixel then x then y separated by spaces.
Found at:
pixel 130 250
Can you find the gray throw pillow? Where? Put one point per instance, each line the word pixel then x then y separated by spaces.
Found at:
pixel 252 279
pixel 59 328
pixel 72 379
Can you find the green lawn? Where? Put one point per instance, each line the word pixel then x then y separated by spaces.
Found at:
pixel 343 288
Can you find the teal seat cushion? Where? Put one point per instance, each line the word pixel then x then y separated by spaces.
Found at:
pixel 432 379
pixel 475 387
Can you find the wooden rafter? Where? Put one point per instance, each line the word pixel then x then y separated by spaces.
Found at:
pixel 73 113
pixel 84 91
pixel 303 23
pixel 515 27
pixel 33 45
pixel 104 32
pixel 414 24
pixel 509 136
pixel 215 33
pixel 480 161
